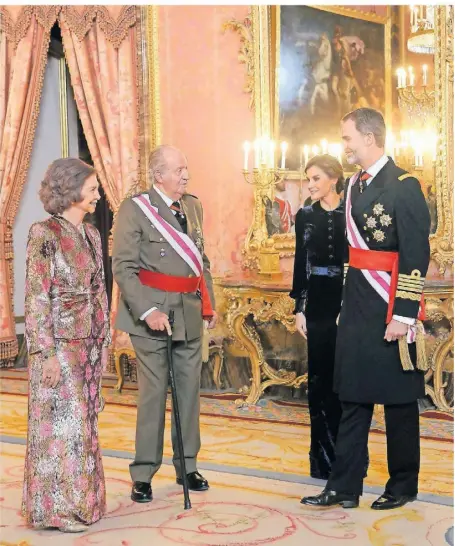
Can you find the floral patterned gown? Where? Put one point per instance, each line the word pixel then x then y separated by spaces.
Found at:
pixel 66 315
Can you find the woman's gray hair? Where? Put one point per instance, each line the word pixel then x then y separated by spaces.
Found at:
pixel 63 183
pixel 368 120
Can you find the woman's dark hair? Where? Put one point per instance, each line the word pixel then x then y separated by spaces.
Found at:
pixel 331 166
pixel 63 183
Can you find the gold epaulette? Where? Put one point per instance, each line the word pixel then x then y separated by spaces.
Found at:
pixel 404 176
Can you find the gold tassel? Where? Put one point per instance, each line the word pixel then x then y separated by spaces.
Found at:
pixel 205 343
pixel 405 358
pixel 422 360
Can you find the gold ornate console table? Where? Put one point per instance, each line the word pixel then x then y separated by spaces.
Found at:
pixel 251 301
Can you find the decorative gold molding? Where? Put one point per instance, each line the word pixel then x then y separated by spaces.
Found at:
pixel 150 113
pixel 153 76
pixel 441 242
pixel 246 55
pixel 63 100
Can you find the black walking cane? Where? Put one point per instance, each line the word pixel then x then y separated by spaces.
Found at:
pixel 175 407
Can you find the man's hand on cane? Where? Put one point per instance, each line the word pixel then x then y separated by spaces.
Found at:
pixel 212 322
pixel 158 321
pixel 395 329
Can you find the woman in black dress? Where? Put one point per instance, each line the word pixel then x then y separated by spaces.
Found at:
pixel 317 289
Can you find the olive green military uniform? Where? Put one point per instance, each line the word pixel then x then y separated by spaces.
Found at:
pixel 139 245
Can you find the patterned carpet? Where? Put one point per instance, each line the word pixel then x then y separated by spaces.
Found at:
pixel 435 424
pixel 257 464
pixel 248 512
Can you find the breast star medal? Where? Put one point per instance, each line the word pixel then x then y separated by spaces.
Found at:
pixel 385 220
pixel 371 222
pixel 378 235
pixel 378 209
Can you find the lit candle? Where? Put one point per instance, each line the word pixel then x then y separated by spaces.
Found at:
pixel 265 150
pixel 284 147
pixel 272 154
pixel 256 154
pixel 246 149
pixel 306 155
pixel 416 11
pixel 339 149
pixel 315 150
pixel 424 68
pixel 403 78
pixel 399 78
pixel 324 146
pixel 412 16
pixel 411 79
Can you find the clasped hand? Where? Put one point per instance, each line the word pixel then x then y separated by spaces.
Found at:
pixel 395 329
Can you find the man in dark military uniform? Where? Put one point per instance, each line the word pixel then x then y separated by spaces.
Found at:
pixel 159 263
pixel 379 358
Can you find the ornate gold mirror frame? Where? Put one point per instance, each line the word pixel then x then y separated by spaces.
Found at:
pixel 442 241
pixel 260 43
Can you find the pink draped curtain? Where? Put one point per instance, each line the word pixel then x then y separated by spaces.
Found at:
pixel 24 41
pixel 102 54
pixel 102 60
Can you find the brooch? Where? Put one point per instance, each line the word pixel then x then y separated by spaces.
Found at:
pixel 378 209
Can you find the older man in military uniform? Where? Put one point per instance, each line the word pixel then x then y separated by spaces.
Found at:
pixel 380 358
pixel 159 263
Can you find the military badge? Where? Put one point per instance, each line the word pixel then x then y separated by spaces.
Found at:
pixel 385 220
pixel 378 235
pixel 378 209
pixel 199 240
pixel 371 222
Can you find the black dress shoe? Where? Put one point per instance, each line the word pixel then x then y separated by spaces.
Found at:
pixel 141 492
pixel 331 498
pixel 387 501
pixel 196 482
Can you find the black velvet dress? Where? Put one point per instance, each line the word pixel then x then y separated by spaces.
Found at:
pixel 317 289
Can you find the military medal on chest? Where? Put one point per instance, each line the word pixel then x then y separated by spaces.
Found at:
pixel 376 222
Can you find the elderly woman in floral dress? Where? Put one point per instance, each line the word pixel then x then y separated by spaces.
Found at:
pixel 67 333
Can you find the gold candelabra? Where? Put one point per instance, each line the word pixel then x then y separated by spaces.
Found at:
pixel 258 242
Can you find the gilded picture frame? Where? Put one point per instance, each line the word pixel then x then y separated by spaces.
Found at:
pixel 328 18
pixel 260 52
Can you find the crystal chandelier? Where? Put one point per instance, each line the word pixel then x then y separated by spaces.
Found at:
pixel 421 39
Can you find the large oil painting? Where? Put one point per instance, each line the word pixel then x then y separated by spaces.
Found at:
pixel 328 64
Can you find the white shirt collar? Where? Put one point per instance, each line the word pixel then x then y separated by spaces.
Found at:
pixel 376 167
pixel 163 196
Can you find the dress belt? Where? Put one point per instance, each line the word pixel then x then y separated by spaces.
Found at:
pixel 326 271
